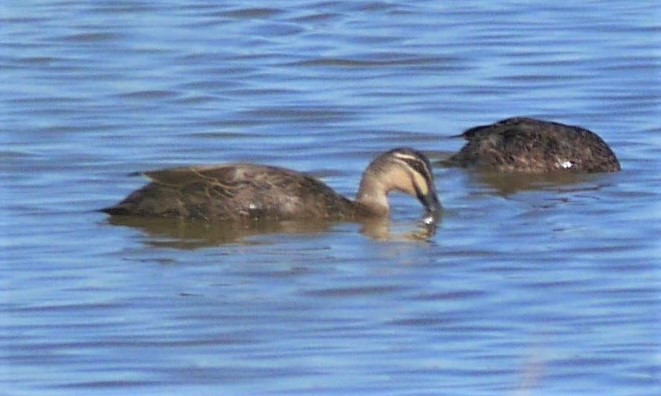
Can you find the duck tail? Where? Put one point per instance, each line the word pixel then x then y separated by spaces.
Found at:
pixel 117 210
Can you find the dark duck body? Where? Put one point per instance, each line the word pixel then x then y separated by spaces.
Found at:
pixel 528 145
pixel 254 192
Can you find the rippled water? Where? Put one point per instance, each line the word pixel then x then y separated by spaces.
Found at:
pixel 544 287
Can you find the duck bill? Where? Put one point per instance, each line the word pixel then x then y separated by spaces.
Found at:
pixel 432 205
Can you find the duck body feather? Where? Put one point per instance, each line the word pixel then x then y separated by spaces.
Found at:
pixel 235 193
pixel 529 145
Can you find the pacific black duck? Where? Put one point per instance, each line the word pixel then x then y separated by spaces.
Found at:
pixel 529 145
pixel 243 192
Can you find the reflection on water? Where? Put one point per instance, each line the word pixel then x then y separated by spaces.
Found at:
pixel 507 184
pixel 191 234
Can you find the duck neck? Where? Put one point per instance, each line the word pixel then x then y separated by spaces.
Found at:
pixel 372 196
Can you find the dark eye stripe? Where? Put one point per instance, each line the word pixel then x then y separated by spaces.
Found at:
pixel 417 163
pixel 420 167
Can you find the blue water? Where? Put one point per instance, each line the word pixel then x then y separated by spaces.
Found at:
pixel 534 289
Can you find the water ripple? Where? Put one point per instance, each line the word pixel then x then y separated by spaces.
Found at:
pixel 528 286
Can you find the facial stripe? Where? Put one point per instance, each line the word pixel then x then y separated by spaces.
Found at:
pixel 418 165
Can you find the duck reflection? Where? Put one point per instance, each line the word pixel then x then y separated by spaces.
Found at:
pixel 506 184
pixel 192 234
pixel 387 231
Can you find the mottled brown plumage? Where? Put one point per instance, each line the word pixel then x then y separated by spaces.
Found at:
pixel 534 146
pixel 255 192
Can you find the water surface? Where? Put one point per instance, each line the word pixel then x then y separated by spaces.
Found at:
pixel 544 287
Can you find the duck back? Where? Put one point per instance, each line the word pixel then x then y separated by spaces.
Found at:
pixel 235 193
pixel 534 146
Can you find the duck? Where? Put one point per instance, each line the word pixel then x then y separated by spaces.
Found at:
pixel 250 192
pixel 534 146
